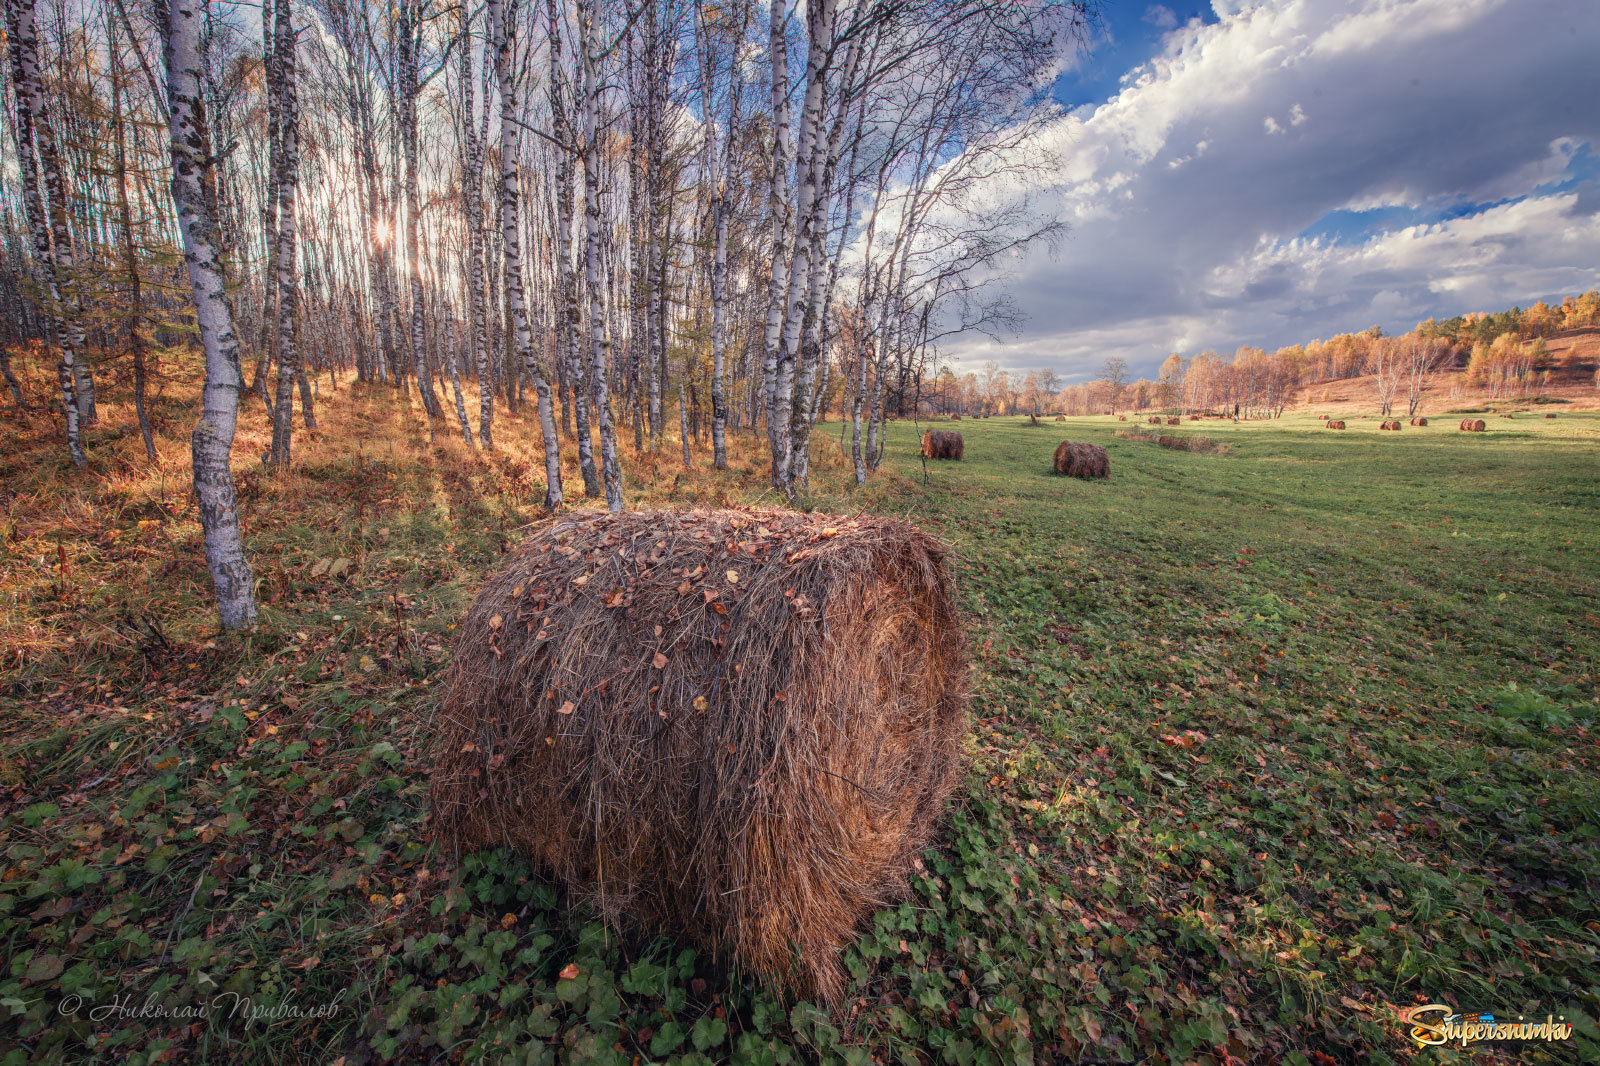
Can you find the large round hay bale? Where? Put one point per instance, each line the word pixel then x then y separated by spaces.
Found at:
pixel 738 727
pixel 1419 421
pixel 1174 421
pixel 1078 459
pixel 955 418
pixel 1549 414
pixel 1154 420
pixel 1194 418
pixel 942 444
pixel 1334 423
pixel 1323 417
pixel 1391 424
pixel 1063 418
pixel 1473 425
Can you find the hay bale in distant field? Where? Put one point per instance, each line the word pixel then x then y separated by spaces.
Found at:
pixel 1473 425
pixel 1549 414
pixel 942 444
pixel 1194 418
pixel 1419 421
pixel 1334 423
pixel 1174 421
pixel 1154 420
pixel 1063 418
pixel 955 418
pixel 1323 417
pixel 1078 459
pixel 1392 424
pixel 738 727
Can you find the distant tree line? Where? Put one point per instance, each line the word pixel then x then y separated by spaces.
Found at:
pixel 1504 353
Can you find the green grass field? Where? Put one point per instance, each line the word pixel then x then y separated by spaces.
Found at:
pixel 1266 745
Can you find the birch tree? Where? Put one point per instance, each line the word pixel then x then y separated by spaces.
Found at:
pixel 193 196
pixel 46 223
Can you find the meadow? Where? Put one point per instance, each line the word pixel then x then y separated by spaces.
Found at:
pixel 1267 743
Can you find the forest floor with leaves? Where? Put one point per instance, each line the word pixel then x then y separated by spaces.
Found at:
pixel 1266 745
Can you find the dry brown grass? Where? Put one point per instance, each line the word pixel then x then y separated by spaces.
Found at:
pixel 740 726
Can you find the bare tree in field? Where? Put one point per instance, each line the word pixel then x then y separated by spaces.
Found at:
pixel 1387 368
pixel 33 133
pixel 194 196
pixel 1116 375
pixel 1420 358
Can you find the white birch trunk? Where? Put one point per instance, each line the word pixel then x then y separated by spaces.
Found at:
pixel 33 133
pixel 287 282
pixel 568 345
pixel 213 433
pixel 778 209
pixel 511 230
pixel 409 90
pixel 471 188
pixel 600 350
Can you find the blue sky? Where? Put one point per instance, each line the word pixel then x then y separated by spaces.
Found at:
pixel 1267 172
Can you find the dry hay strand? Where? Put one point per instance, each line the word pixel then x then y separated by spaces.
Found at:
pixel 1335 423
pixel 1419 421
pixel 942 444
pixel 738 727
pixel 1473 425
pixel 1079 459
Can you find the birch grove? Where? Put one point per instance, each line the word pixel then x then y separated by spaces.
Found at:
pixel 568 213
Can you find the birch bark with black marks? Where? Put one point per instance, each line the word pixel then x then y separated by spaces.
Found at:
pixel 511 229
pixel 569 313
pixel 808 173
pixel 288 282
pixel 35 138
pixel 471 189
pixel 410 33
pixel 134 320
pixel 192 172
pixel 779 216
pixel 600 343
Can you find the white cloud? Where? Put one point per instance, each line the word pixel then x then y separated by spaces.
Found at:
pixel 1185 215
pixel 1160 16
